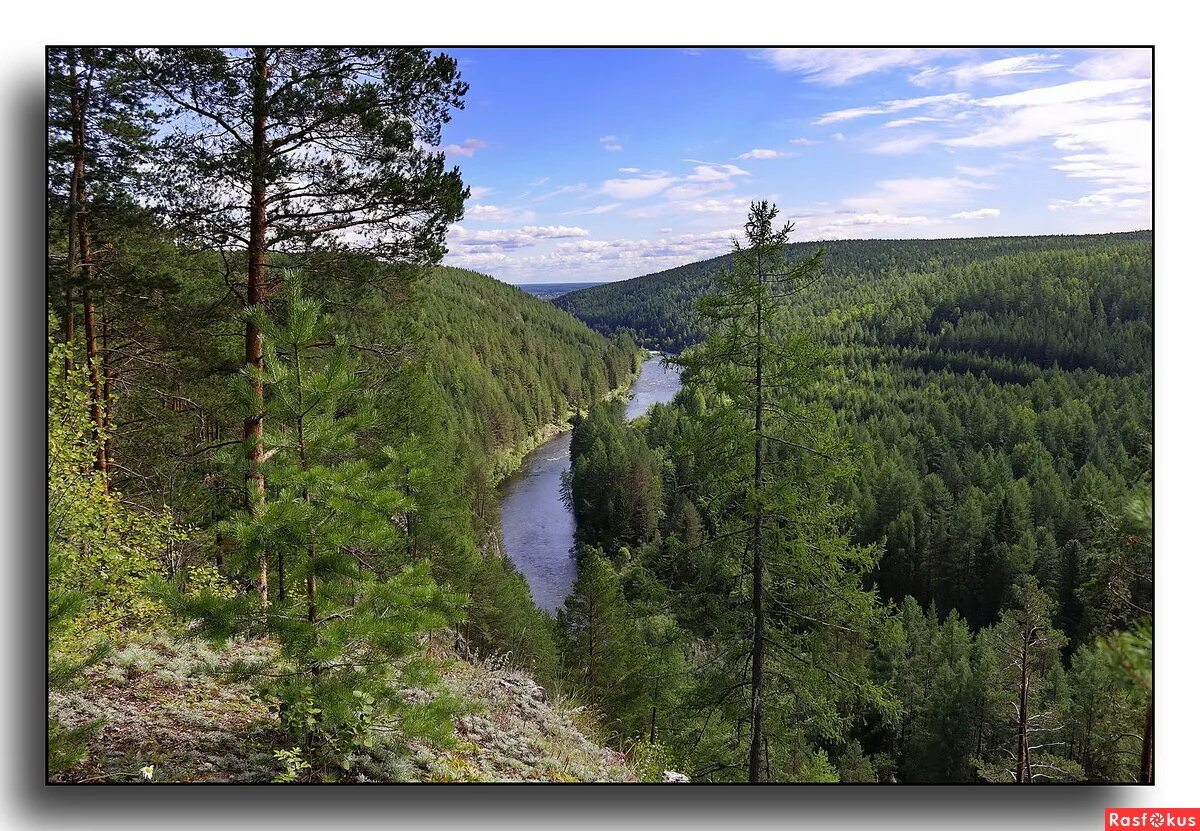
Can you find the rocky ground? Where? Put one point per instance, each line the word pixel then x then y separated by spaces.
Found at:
pixel 163 705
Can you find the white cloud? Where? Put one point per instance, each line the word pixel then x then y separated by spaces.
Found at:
pixel 580 187
pixel 803 142
pixel 838 137
pixel 467 148
pixel 880 219
pixel 1104 200
pixel 636 188
pixel 968 170
pixel 1102 129
pixel 1117 63
pixel 761 153
pixel 893 106
pixel 610 144
pixel 908 122
pixel 477 260
pixel 981 213
pixel 904 144
pixel 599 209
pixel 497 213
pixel 1070 92
pixel 836 66
pixel 686 191
pixel 613 148
pixel 898 196
pixel 967 74
pixel 705 177
pixel 497 240
pixel 628 170
pixel 731 205
pixel 714 172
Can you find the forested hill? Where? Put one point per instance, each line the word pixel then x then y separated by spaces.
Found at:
pixel 509 363
pixel 660 307
pixel 987 408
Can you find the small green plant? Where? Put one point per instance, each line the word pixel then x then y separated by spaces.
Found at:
pixel 293 762
pixel 650 760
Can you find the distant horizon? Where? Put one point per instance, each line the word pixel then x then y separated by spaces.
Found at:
pixel 601 164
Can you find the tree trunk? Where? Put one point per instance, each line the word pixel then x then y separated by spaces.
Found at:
pixel 107 374
pixel 72 219
pixel 82 241
pixel 1146 776
pixel 255 295
pixel 758 646
pixel 1023 716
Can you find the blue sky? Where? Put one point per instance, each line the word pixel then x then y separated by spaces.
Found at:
pixel 605 164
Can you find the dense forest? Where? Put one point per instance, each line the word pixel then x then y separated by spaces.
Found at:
pixel 261 428
pixel 897 525
pixel 968 425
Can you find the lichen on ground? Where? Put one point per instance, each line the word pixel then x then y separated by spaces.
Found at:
pixel 172 704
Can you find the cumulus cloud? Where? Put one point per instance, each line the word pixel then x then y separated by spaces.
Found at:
pixel 497 213
pixel 761 153
pixel 467 148
pixel 1107 200
pixel 705 177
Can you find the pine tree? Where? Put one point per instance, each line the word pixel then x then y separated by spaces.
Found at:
pixel 97 144
pixel 349 640
pixel 296 150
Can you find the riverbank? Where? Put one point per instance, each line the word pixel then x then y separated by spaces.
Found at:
pixel 538 529
pixel 507 462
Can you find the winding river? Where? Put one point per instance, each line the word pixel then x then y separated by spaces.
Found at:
pixel 538 529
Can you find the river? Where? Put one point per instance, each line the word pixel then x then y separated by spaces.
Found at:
pixel 538 528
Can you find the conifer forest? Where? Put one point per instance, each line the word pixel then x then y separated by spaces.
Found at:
pixel 892 522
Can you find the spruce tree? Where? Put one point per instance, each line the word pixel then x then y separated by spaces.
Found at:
pixel 800 619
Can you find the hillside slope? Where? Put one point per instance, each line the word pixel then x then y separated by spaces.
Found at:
pixel 509 363
pixel 164 704
pixel 659 307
